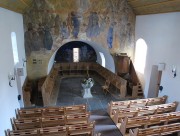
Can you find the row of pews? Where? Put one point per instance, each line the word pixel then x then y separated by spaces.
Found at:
pixel 52 121
pixel 145 117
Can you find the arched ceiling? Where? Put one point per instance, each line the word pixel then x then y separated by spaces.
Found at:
pixel 140 7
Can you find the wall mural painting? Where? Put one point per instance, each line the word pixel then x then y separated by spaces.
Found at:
pixel 49 24
pixel 110 35
pixel 75 24
pixel 93 28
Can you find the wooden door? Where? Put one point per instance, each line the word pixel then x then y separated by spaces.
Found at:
pixel 155 81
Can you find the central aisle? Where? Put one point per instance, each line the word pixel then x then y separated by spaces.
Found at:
pixel 70 93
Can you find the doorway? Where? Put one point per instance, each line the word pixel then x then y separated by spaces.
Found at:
pixel 155 81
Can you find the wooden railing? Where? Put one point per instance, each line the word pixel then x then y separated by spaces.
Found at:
pixel 72 69
pixel 48 85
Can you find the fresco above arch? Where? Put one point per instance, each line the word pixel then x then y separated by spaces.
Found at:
pixel 50 23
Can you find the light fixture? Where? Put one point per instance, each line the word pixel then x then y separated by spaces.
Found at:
pixel 174 71
pixel 24 60
pixel 11 77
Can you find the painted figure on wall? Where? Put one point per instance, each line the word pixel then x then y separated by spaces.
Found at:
pixel 75 24
pixel 57 25
pixel 35 41
pixel 48 41
pixel 41 36
pixel 93 28
pixel 28 39
pixel 110 35
pixel 64 31
pixel 84 52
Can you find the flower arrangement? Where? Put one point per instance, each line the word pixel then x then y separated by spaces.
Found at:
pixel 87 82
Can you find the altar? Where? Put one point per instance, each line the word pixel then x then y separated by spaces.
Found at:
pixel 87 85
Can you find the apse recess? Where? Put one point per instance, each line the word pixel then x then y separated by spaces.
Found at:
pixel 86 52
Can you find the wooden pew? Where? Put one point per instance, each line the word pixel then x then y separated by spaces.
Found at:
pixel 81 118
pixel 27 132
pixel 75 109
pixel 53 131
pixel 156 131
pixel 145 121
pixel 81 129
pixel 53 111
pixel 143 111
pixel 49 111
pixel 26 123
pixel 133 103
pixel 25 113
pixel 50 121
pixel 49 131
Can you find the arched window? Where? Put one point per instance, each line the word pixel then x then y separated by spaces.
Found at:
pixel 140 55
pixel 14 47
pixel 75 54
pixel 103 59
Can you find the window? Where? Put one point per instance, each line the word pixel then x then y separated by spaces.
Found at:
pixel 75 54
pixel 14 47
pixel 140 55
pixel 103 59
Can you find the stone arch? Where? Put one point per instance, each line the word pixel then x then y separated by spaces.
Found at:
pixel 98 48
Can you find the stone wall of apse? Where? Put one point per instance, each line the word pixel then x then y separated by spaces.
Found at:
pixel 49 24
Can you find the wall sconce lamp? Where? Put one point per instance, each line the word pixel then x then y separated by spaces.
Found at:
pixel 24 61
pixel 174 71
pixel 11 77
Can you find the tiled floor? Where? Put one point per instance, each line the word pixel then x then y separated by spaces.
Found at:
pixel 70 94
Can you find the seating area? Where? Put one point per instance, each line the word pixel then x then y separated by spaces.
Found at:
pixel 137 117
pixel 52 121
pixel 81 68
pixel 150 120
pixel 145 117
pixel 158 130
pixel 87 68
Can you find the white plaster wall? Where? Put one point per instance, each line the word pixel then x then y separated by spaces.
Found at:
pixel 161 32
pixel 10 22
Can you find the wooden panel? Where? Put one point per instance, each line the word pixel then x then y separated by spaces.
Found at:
pixel 144 7
pixel 141 3
pixel 16 5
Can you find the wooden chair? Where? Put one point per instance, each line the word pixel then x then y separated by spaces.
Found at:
pixel 105 87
